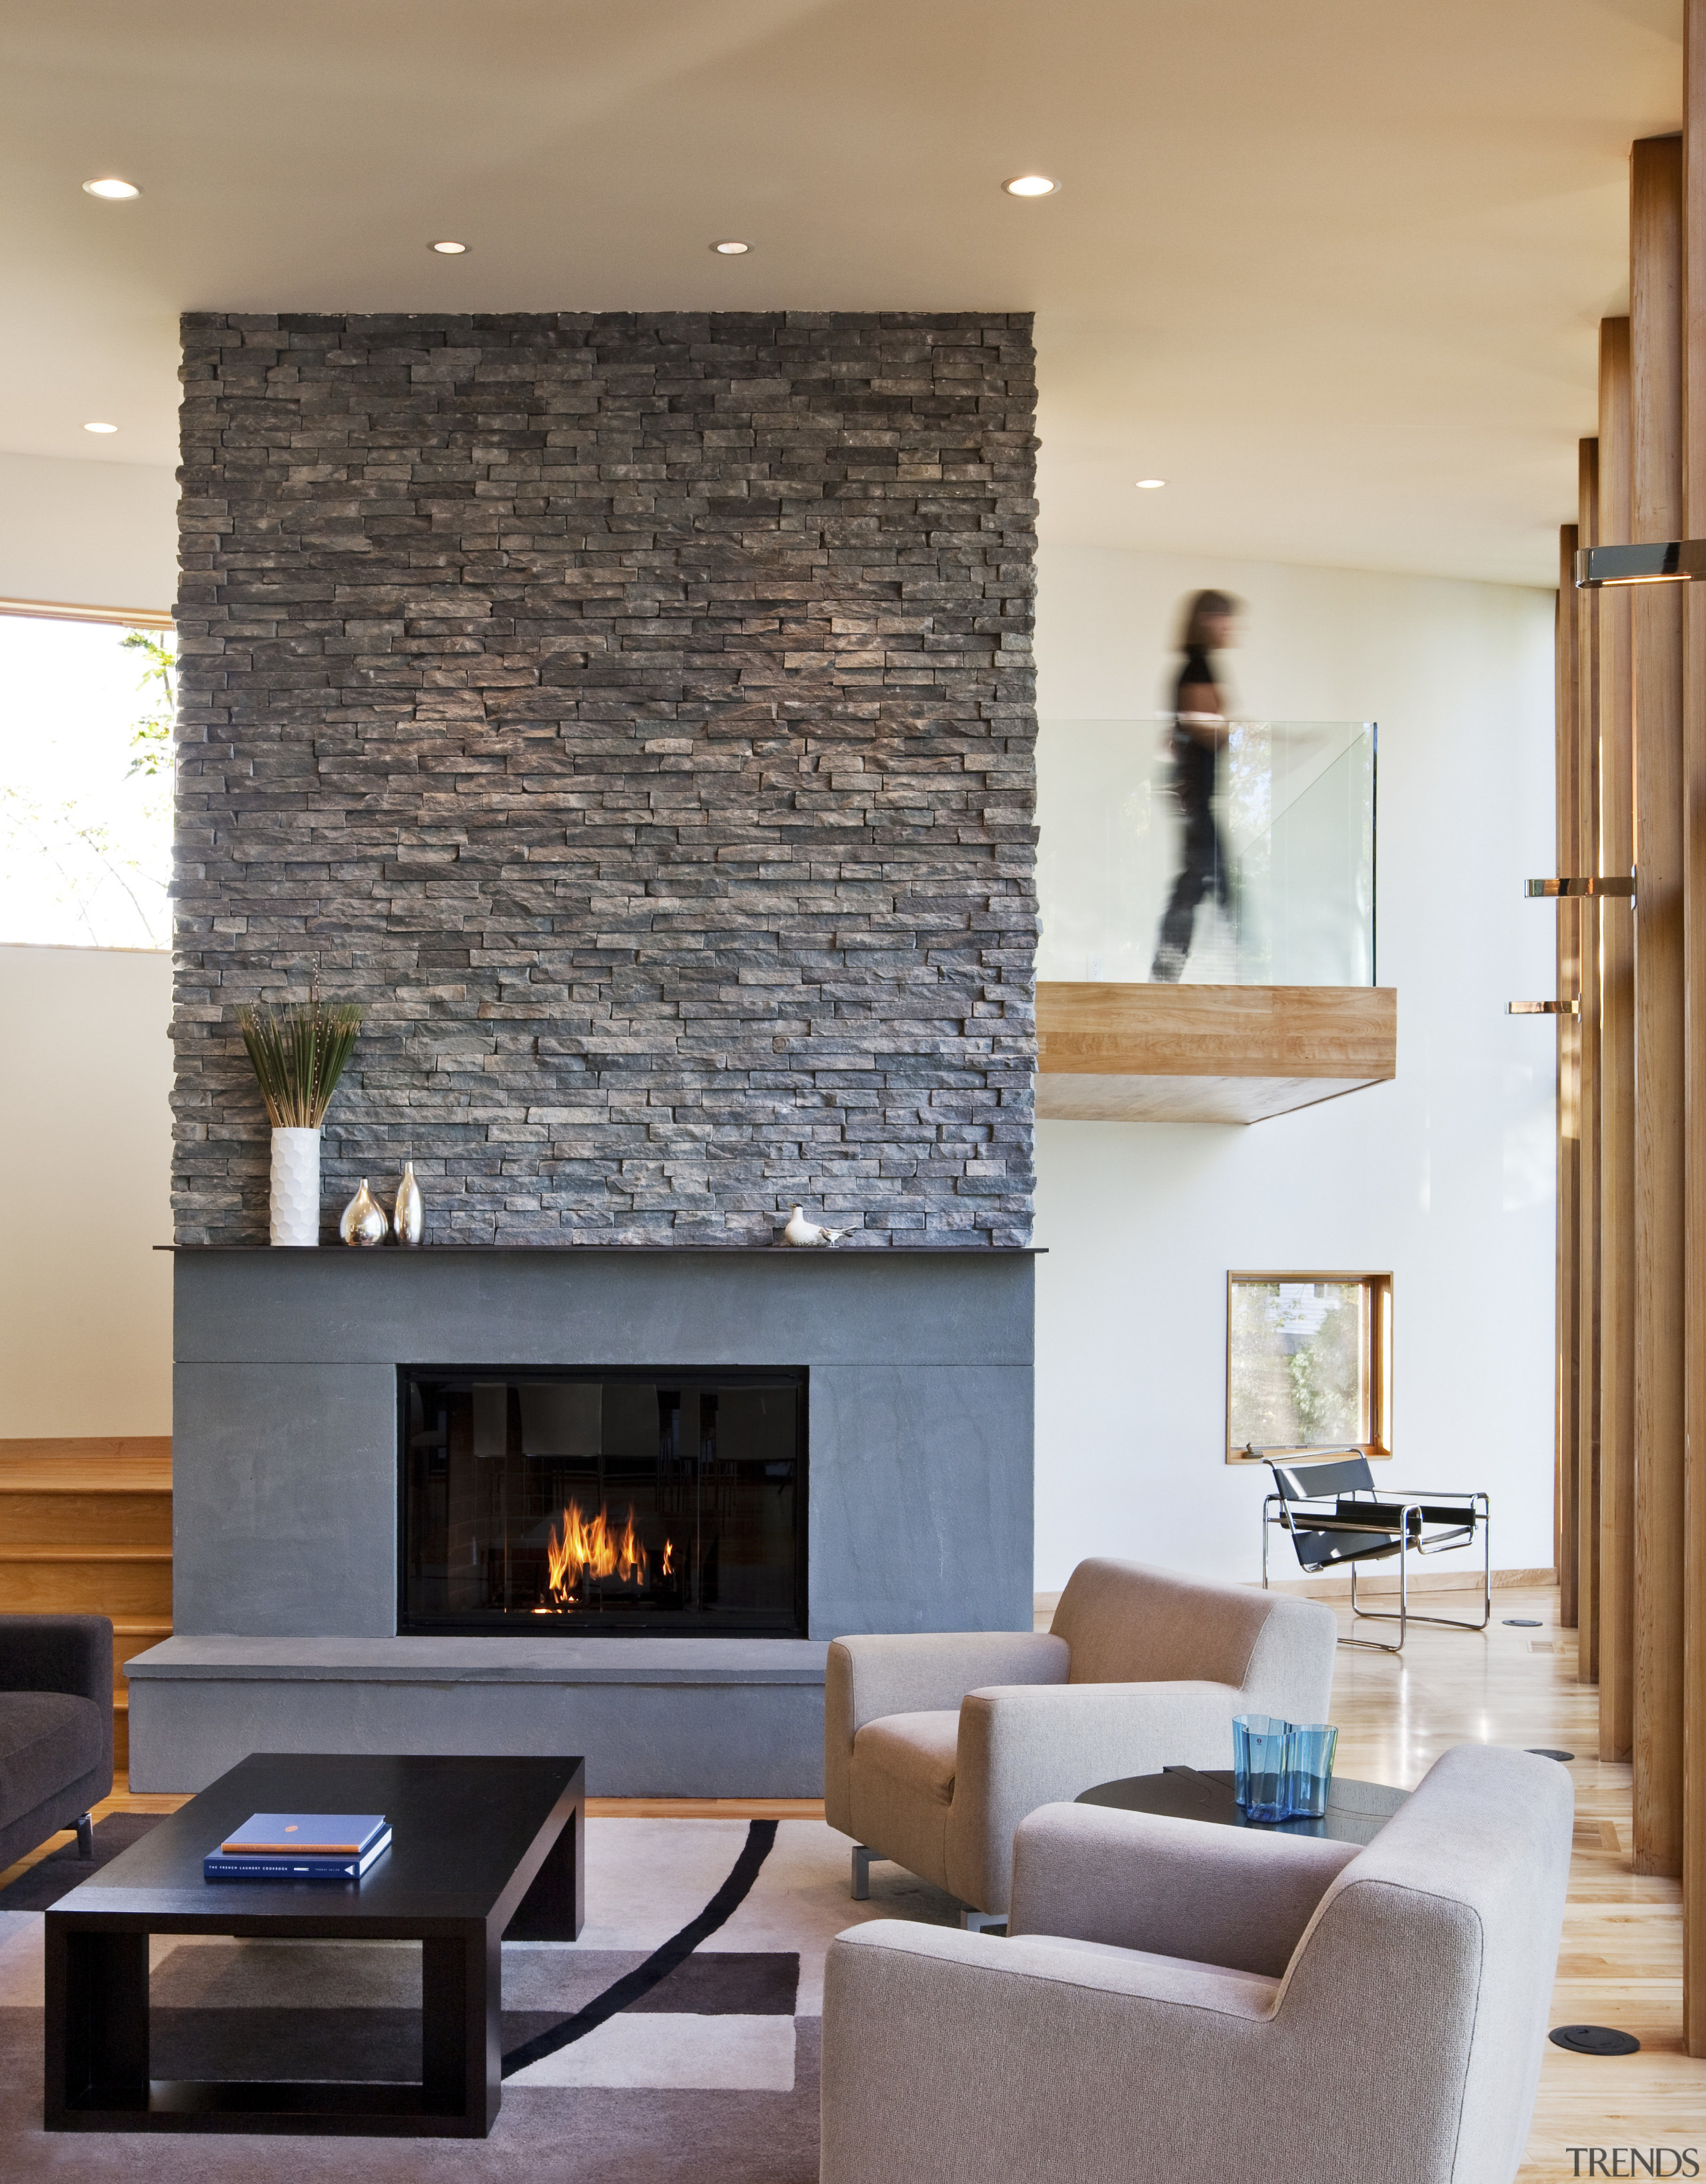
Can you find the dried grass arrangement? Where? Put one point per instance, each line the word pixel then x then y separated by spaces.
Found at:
pixel 298 1054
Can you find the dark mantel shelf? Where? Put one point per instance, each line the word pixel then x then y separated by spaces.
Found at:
pixel 642 1251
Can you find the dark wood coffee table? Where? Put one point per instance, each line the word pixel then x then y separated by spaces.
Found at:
pixel 1356 1811
pixel 480 1848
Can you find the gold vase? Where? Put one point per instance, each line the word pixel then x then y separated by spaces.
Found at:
pixel 407 1214
pixel 364 1218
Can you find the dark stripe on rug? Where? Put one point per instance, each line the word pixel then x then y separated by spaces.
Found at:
pixel 761 1836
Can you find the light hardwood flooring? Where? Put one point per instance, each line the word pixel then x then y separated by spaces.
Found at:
pixel 1621 1959
pixel 1622 1955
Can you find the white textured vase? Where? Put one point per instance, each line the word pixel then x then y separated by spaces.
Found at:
pixel 295 1187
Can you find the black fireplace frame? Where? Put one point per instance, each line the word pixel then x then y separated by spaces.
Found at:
pixel 601 1626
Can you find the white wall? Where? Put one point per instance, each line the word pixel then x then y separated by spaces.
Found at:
pixel 1445 1175
pixel 86 1302
pixel 92 533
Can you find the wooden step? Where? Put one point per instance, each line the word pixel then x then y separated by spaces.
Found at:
pixel 84 1519
pixel 87 1527
pixel 129 1466
pixel 132 1636
pixel 129 1447
pixel 118 1582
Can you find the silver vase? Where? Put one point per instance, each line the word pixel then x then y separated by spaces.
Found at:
pixel 364 1218
pixel 407 1214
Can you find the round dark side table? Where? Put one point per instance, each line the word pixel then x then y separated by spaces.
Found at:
pixel 1356 1811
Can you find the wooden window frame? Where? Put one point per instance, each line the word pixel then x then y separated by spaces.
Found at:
pixel 1378 1363
pixel 66 610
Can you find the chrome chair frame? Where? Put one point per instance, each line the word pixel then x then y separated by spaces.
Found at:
pixel 1413 1512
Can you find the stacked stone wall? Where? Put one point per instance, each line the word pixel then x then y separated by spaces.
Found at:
pixel 636 714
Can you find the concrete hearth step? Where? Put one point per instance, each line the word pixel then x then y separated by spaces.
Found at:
pixel 652 1717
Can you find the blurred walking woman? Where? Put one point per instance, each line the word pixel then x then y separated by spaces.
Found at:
pixel 1200 731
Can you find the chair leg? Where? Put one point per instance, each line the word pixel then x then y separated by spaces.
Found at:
pixel 86 1835
pixel 1377 1615
pixel 862 1872
pixel 982 1922
pixel 1407 1615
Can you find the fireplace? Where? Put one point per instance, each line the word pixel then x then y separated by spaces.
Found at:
pixel 599 1502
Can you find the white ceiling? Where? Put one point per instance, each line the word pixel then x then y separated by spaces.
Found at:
pixel 1331 268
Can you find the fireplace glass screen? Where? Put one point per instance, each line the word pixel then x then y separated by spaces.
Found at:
pixel 602 1503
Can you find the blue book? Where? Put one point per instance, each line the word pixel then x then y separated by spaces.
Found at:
pixel 226 1866
pixel 316 1835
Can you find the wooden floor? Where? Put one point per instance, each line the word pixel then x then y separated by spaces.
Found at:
pixel 1621 1959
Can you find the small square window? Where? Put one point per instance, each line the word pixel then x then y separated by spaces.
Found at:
pixel 1308 1364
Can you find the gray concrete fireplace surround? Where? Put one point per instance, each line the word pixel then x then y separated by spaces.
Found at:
pixel 634 712
pixel 285 1462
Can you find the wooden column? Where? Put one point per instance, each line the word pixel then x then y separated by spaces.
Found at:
pixel 1586 1561
pixel 1655 316
pixel 1616 1077
pixel 1694 961
pixel 1565 1519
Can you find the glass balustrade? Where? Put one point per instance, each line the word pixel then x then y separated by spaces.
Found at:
pixel 1285 876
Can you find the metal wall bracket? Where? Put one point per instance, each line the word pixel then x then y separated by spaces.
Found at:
pixel 1545 889
pixel 1659 561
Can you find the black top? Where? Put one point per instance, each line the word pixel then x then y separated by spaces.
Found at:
pixel 1197 668
pixel 1193 762
pixel 461 1828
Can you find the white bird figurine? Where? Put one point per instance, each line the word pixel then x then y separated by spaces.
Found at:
pixel 801 1231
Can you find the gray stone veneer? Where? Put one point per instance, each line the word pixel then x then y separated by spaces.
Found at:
pixel 635 712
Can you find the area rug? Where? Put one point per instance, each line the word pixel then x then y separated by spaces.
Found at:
pixel 707 2072
pixel 63 1869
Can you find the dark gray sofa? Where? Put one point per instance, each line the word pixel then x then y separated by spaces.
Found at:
pixel 56 1727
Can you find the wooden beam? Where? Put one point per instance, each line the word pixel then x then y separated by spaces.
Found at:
pixel 1616 1077
pixel 1655 345
pixel 1694 981
pixel 1125 1053
pixel 1095 1029
pixel 1567 1450
pixel 1587 1062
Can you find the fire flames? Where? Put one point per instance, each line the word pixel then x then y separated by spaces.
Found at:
pixel 594 1549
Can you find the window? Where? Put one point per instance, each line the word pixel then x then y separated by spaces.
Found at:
pixel 1308 1363
pixel 86 782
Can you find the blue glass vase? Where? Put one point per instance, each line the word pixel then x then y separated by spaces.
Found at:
pixel 1309 1749
pixel 1259 1779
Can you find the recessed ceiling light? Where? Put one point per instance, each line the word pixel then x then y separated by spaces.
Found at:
pixel 450 250
pixel 109 185
pixel 100 428
pixel 1031 185
pixel 730 250
pixel 1150 485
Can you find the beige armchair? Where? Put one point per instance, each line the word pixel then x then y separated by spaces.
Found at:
pixel 1181 1999
pixel 935 1746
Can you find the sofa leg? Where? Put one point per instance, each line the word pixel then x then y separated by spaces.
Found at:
pixel 862 1872
pixel 86 1835
pixel 982 1922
